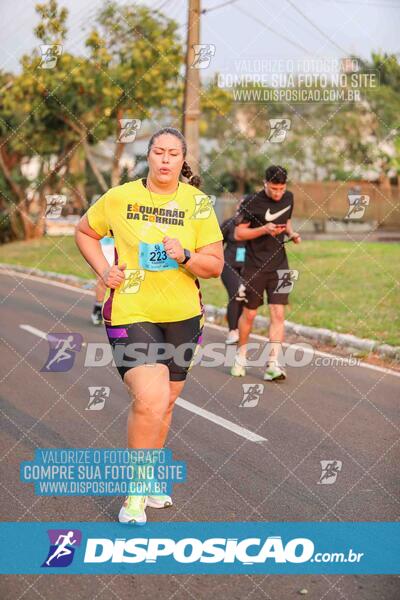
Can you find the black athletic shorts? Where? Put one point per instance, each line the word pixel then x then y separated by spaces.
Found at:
pixel 171 344
pixel 257 282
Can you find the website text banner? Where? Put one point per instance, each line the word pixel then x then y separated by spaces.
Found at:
pixel 200 548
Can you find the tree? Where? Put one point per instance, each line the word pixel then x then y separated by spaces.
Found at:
pixel 139 52
pixel 328 141
pixel 55 116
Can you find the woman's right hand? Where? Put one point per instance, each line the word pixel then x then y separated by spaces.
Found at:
pixel 114 276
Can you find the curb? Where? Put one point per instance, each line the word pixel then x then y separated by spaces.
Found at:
pixel 213 314
pixel 87 284
pixel 317 334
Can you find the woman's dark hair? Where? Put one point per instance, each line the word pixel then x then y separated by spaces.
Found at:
pixel 276 174
pixel 186 170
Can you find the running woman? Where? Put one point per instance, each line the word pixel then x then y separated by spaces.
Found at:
pixel 262 222
pixel 234 254
pixel 107 246
pixel 153 294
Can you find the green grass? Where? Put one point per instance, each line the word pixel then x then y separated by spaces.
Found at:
pixel 58 254
pixel 345 286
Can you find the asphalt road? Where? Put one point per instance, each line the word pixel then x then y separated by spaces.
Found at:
pixel 343 413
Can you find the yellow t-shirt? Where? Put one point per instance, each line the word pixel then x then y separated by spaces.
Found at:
pixel 131 214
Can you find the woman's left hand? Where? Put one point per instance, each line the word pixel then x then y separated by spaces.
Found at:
pixel 173 248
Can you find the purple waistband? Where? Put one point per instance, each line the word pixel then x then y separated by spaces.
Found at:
pixel 117 332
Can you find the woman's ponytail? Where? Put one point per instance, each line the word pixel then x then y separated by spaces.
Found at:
pixel 187 173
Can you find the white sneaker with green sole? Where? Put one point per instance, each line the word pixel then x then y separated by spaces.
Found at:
pixel 239 367
pixel 274 373
pixel 161 501
pixel 133 510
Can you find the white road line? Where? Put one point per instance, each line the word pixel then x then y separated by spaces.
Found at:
pixel 206 414
pixel 35 331
pixel 362 364
pixel 42 334
pixel 59 284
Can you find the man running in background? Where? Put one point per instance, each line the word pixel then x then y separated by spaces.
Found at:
pixel 262 221
pixel 234 255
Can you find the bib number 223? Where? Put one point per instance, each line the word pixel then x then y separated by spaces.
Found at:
pixel 153 257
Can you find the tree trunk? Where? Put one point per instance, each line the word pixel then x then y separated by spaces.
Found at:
pixel 96 171
pixel 119 149
pixel 240 185
pixel 77 170
pixel 116 171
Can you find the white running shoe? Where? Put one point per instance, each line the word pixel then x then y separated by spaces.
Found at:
pixel 239 367
pixel 274 373
pixel 161 501
pixel 133 510
pixel 232 337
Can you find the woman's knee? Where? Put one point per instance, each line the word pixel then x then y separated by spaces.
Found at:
pixel 146 406
pixel 149 398
pixel 277 314
pixel 175 388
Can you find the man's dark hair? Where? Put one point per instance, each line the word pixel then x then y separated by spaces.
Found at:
pixel 276 174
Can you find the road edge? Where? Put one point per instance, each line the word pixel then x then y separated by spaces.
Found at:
pixel 215 314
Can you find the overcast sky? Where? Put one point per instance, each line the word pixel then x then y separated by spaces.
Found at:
pixel 347 26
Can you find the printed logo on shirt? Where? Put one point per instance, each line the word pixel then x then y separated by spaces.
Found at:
pixel 272 216
pixel 155 214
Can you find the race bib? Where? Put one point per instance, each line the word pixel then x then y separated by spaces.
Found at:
pixel 153 257
pixel 240 254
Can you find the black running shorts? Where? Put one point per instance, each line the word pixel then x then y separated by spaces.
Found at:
pixel 171 344
pixel 257 282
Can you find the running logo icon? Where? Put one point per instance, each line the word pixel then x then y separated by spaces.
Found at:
pixel 251 394
pixel 54 205
pixel 62 349
pixel 63 543
pixel 129 129
pixel 50 54
pixel 279 129
pixel 357 205
pixel 203 206
pixel 330 470
pixel 287 278
pixel 132 282
pixel 203 54
pixel 97 397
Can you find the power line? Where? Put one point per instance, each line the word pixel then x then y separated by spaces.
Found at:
pixel 206 10
pixel 161 6
pixel 292 4
pixel 281 35
pixel 349 2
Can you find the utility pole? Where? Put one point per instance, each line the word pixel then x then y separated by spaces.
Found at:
pixel 191 101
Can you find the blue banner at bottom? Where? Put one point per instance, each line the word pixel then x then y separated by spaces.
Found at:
pixel 200 548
